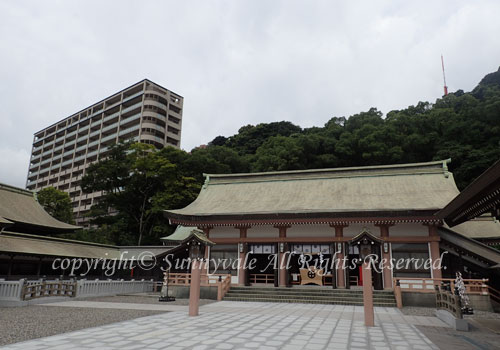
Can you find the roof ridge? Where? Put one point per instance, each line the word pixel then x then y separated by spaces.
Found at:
pixel 57 239
pixel 15 189
pixel 394 167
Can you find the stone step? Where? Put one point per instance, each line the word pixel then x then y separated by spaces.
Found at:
pixel 319 300
pixel 308 297
pixel 307 292
pixel 311 301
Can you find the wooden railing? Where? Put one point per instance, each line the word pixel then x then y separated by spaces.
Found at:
pixel 427 285
pixel 261 278
pixel 47 289
pixel 448 301
pixel 221 281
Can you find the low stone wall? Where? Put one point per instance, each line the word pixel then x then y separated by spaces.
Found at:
pixel 478 302
pixel 458 324
pixel 11 292
pixel 182 292
pixel 111 287
pixel 419 299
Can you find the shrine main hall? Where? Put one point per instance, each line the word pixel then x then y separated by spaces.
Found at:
pixel 343 213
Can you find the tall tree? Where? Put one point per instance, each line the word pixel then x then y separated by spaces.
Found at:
pixel 56 203
pixel 139 182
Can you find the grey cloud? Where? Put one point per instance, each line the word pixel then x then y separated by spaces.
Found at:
pixel 235 62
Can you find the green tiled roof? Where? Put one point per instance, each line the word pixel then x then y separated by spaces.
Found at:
pixel 402 187
pixel 180 234
pixel 20 206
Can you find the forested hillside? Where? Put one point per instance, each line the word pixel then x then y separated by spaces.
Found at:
pixel 142 181
pixel 462 126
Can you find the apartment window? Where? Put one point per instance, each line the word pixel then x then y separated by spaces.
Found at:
pixel 174 108
pixel 174 119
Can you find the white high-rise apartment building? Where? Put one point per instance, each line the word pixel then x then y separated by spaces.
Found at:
pixel 145 112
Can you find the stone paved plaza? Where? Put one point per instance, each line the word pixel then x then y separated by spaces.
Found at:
pixel 240 325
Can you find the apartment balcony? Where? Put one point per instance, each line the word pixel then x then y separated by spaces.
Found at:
pixel 45 162
pixel 70 143
pixel 110 127
pixel 129 130
pixel 93 153
pixel 152 138
pixel 111 116
pixel 131 108
pixel 109 137
pixel 151 102
pixel 83 128
pixel 152 125
pixel 60 147
pixel 157 90
pixel 149 113
pixel 81 148
pixel 93 143
pixel 94 133
pixel 130 119
pixel 69 161
pixel 46 153
pixel 128 98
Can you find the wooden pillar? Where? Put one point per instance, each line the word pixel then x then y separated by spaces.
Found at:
pixel 206 230
pixel 368 295
pixel 282 256
pixel 339 234
pixel 194 288
pixel 398 296
pixel 9 271
pixel 242 249
pixel 386 256
pixel 434 252
pixel 39 268
pixel 206 266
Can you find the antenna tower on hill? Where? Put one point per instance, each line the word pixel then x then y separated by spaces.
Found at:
pixel 444 77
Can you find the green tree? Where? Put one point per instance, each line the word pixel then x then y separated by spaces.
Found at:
pixel 139 183
pixel 56 203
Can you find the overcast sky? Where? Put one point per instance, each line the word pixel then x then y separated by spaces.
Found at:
pixel 235 62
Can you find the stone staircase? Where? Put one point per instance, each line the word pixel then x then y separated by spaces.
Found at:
pixel 309 295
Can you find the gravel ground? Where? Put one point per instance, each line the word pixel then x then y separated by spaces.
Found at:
pixel 31 322
pixel 145 299
pixel 36 321
pixel 428 311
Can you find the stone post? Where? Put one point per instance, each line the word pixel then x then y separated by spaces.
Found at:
pixel 398 296
pixel 194 288
pixel 368 295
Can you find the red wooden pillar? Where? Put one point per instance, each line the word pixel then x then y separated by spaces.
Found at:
pixel 386 256
pixel 206 230
pixel 242 255
pixel 282 255
pixel 434 252
pixel 368 295
pixel 339 234
pixel 194 288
